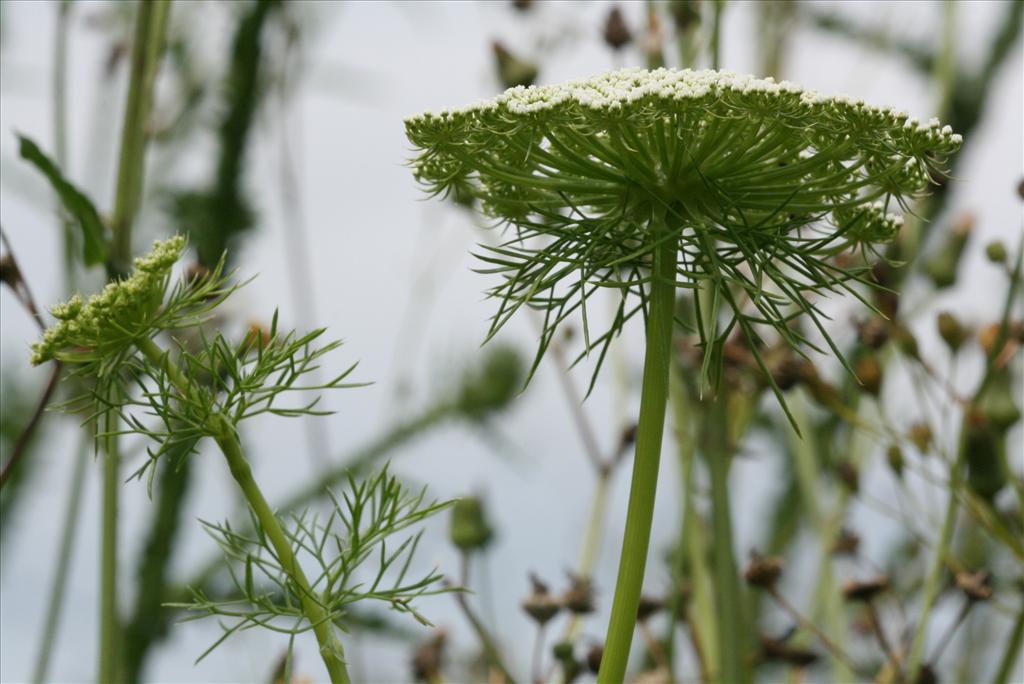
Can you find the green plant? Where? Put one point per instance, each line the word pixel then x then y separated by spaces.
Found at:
pixel 744 191
pixel 206 388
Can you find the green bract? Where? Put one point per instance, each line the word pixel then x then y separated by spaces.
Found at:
pixel 116 316
pixel 760 183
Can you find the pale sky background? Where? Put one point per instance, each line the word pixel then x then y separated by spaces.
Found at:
pixel 385 263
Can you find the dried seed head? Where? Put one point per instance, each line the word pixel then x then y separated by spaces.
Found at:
pixel 849 475
pixel 763 571
pixel 594 655
pixel 976 586
pixel 616 33
pixel 847 544
pixel 778 651
pixel 874 332
pixel 540 604
pixel 648 606
pixel 865 591
pixel 9 273
pixel 428 657
pixel 579 597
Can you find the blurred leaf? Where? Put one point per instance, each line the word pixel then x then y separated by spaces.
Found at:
pixel 95 247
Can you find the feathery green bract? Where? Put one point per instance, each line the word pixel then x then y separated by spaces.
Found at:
pixel 761 183
pixel 338 549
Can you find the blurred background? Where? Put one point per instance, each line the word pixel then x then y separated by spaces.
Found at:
pixel 278 130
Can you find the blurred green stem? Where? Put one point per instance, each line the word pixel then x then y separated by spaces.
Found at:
pixel 956 479
pixel 55 604
pixel 718 6
pixel 149 31
pixel 150 27
pixel 110 631
pixel 1014 641
pixel 650 430
pixel 732 639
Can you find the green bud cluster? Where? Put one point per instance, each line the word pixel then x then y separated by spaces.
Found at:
pixel 113 318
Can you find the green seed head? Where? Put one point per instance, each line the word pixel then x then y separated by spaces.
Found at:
pixel 111 319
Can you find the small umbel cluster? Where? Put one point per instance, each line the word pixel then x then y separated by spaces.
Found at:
pixel 112 318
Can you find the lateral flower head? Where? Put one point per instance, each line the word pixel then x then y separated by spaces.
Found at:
pixel 760 184
pixel 113 318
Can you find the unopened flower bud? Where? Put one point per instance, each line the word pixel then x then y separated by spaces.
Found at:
pixel 470 529
pixel 996 252
pixel 426 661
pixel 943 264
pixel 894 455
pixel 849 475
pixel 921 436
pixel 513 71
pixel 869 372
pixel 952 332
pixel 997 403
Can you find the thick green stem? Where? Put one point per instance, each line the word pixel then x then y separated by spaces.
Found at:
pixel 110 628
pixel 733 664
pixel 330 648
pixel 650 429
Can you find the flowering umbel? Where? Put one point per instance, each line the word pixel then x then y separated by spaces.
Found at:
pixel 113 317
pixel 761 184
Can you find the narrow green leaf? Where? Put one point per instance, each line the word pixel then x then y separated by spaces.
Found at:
pixel 95 247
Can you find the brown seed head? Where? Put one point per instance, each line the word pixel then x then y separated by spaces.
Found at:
pixel 977 586
pixel 763 571
pixel 866 590
pixel 616 33
pixel 579 597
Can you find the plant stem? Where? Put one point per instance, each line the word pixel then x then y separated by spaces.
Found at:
pixel 149 30
pixel 110 628
pixel 650 430
pixel 150 27
pixel 934 578
pixel 224 434
pixel 732 642
pixel 1013 649
pixel 330 648
pixel 64 552
pixel 486 642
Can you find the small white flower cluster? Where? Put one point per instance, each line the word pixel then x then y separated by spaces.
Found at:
pixel 868 223
pixel 86 325
pixel 618 90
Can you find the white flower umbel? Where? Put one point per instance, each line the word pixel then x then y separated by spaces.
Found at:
pixel 651 181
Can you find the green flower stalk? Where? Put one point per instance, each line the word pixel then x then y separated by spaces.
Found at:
pixel 648 182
